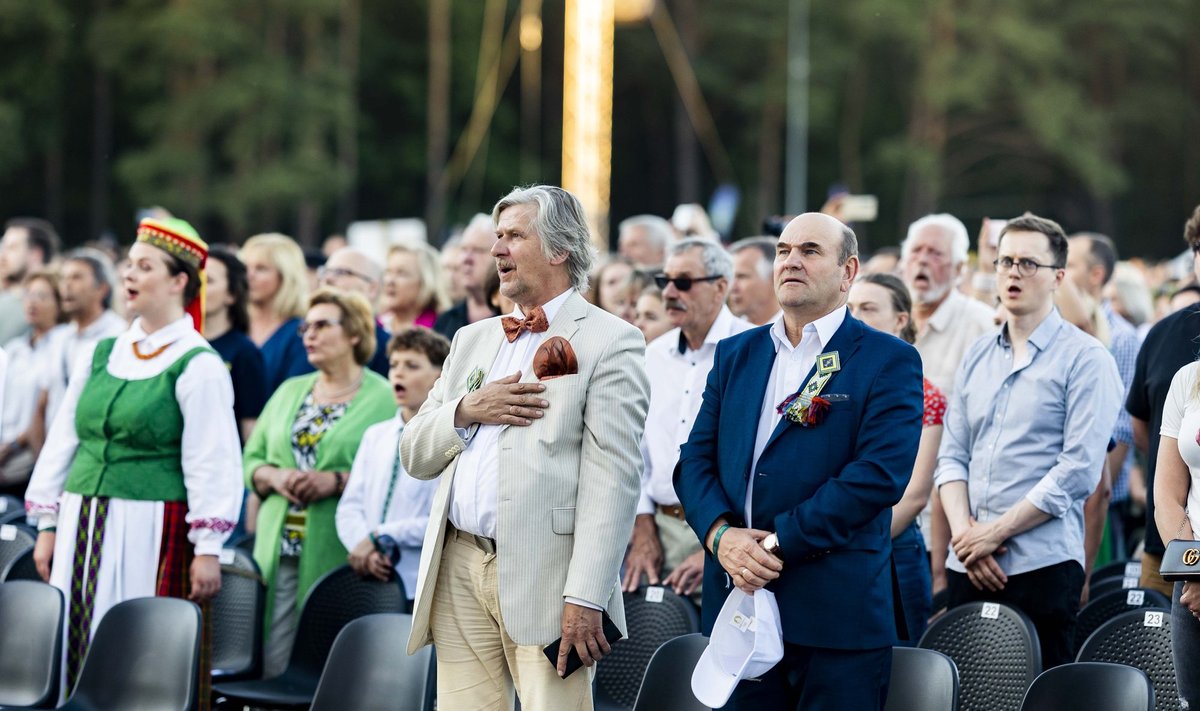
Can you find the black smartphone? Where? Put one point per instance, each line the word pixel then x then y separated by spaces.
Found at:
pixel 611 633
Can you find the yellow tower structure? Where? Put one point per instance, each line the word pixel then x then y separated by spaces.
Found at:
pixel 587 109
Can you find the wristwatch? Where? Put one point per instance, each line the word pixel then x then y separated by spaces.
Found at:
pixel 771 543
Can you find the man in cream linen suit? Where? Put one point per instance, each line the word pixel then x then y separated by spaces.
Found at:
pixel 534 429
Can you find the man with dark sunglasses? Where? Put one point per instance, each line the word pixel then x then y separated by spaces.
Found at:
pixel 695 281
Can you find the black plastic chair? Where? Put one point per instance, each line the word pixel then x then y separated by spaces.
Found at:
pixel 1112 603
pixel 245 543
pixel 1142 639
pixel 369 670
pixel 237 619
pixel 650 624
pixel 21 568
pixel 922 680
pixel 145 656
pixel 15 539
pixel 667 685
pixel 998 656
pixel 1095 686
pixel 337 599
pixel 1117 569
pixel 12 509
pixel 1097 588
pixel 31 618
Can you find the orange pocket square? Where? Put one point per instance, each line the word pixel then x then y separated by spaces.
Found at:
pixel 555 358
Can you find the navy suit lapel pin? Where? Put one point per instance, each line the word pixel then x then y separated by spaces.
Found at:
pixel 807 408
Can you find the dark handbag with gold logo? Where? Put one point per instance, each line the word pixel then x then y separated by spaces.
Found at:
pixel 1181 561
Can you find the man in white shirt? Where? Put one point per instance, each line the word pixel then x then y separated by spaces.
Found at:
pixel 533 431
pixel 695 282
pixel 947 322
pixel 805 440
pixel 28 244
pixel 87 286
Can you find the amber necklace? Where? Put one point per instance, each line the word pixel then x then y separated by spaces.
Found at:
pixel 149 356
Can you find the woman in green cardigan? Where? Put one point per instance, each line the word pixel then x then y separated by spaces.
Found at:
pixel 300 454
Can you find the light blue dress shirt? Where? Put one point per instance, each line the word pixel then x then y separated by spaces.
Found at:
pixel 1037 430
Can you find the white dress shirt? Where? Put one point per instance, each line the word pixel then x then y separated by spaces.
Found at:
pixel 791 367
pixel 677 378
pixel 67 344
pixel 211 448
pixel 25 361
pixel 956 324
pixel 3 378
pixel 476 491
pixel 360 510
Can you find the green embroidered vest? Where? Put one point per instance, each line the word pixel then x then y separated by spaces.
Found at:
pixel 130 434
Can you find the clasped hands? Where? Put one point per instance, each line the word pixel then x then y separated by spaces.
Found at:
pixel 506 401
pixel 645 557
pixel 369 562
pixel 743 557
pixel 974 547
pixel 302 488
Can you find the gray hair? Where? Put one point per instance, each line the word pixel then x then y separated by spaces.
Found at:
pixel 560 224
pixel 1133 293
pixel 849 245
pixel 960 243
pixel 716 260
pixel 101 266
pixel 766 247
pixel 657 229
pixel 479 222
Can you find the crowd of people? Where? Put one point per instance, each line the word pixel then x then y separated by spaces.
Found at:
pixel 1007 411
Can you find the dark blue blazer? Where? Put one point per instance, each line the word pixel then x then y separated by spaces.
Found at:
pixel 826 490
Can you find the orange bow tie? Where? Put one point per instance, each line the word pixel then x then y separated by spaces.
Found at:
pixel 534 322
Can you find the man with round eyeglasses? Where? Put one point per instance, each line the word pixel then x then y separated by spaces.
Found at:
pixel 695 281
pixel 1025 439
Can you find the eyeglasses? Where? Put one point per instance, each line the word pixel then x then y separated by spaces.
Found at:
pixel 1025 267
pixel 332 272
pixel 683 283
pixel 319 325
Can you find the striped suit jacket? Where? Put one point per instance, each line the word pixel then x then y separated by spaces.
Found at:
pixel 568 483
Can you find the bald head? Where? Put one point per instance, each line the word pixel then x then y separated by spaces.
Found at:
pixel 350 269
pixel 821 223
pixel 816 260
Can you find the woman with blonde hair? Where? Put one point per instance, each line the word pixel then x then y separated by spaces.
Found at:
pixel 278 291
pixel 414 290
pixel 300 455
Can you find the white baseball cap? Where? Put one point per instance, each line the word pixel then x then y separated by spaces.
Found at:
pixel 746 642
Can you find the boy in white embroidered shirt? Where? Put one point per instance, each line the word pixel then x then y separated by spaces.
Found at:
pixel 382 515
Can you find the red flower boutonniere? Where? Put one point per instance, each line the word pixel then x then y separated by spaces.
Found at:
pixel 807 408
pixel 809 415
pixel 817 410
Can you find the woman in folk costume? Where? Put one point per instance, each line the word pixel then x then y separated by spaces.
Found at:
pixel 138 485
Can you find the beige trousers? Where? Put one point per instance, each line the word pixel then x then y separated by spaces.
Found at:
pixel 478 664
pixel 678 542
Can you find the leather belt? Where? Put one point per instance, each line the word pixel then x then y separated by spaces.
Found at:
pixel 487 545
pixel 672 510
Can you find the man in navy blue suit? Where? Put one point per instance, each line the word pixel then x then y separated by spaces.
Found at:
pixel 805 440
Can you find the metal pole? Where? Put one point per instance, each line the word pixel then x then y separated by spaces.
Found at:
pixel 797 108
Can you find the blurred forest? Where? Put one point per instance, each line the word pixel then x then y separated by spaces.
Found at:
pixel 302 115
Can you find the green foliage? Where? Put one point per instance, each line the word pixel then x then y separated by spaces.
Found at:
pixel 231 112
